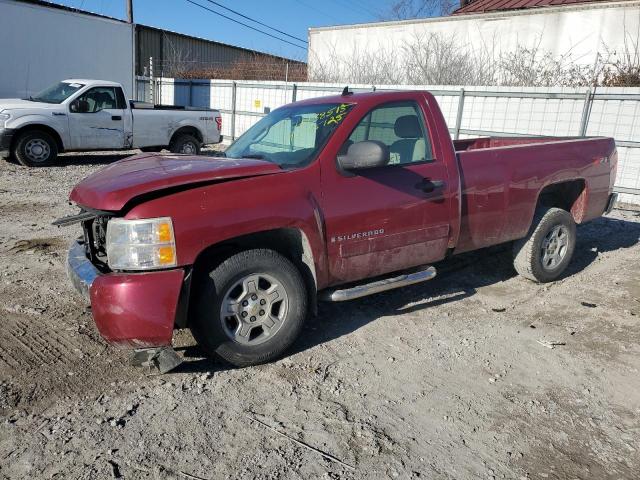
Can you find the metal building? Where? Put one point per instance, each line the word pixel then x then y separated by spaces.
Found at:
pixel 171 50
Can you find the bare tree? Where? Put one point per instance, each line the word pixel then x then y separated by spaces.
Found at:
pixel 532 66
pixel 434 59
pixel 438 59
pixel 408 9
pixel 622 68
pixel 177 62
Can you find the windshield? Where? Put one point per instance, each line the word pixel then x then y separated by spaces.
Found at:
pixel 290 136
pixel 57 93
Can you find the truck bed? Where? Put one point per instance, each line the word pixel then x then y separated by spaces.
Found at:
pixel 501 179
pixel 480 143
pixel 136 105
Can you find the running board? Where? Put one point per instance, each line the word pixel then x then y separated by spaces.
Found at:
pixel 377 287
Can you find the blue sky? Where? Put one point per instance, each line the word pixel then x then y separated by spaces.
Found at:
pixel 291 16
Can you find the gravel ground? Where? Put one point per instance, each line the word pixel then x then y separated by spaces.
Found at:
pixel 452 379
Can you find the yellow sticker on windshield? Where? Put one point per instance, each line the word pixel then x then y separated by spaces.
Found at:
pixel 334 116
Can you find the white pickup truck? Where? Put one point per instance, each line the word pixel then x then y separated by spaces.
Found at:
pixel 79 115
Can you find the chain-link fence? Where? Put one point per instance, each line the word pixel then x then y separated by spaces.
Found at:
pixel 469 111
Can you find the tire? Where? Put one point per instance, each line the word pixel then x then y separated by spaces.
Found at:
pixel 151 149
pixel 259 338
pixel 187 144
pixel 35 149
pixel 546 251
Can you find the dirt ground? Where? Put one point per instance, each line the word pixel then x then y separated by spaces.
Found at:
pixel 452 379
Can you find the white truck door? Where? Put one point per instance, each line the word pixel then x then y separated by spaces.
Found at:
pixel 96 120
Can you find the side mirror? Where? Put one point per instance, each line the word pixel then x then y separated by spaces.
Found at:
pixel 79 106
pixel 367 154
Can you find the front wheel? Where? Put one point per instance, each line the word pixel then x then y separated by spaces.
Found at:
pixel 545 253
pixel 35 149
pixel 251 309
pixel 187 144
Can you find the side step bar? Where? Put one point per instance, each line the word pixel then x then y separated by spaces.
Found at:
pixel 341 295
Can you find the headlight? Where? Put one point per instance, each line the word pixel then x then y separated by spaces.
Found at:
pixel 4 117
pixel 141 244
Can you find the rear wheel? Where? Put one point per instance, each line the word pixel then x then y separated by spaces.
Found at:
pixel 35 149
pixel 251 309
pixel 545 253
pixel 187 144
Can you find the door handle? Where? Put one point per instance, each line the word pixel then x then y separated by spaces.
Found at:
pixel 429 186
pixel 116 117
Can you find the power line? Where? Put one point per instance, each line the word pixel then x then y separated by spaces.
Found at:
pixel 256 21
pixel 355 7
pixel 245 25
pixel 320 11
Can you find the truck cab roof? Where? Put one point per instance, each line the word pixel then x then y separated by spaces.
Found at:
pixel 90 82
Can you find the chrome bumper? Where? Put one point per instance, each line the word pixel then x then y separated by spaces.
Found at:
pixel 80 270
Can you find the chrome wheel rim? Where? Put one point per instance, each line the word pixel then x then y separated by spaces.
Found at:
pixel 188 148
pixel 554 247
pixel 254 309
pixel 37 150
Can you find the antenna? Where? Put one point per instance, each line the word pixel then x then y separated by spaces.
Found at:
pixel 346 91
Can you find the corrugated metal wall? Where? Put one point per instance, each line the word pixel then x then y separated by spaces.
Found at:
pixel 164 46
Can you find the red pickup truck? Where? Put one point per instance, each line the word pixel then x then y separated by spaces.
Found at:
pixel 329 199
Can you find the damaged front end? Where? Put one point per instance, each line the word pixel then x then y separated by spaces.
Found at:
pixel 131 309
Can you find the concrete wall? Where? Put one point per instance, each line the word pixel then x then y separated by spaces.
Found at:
pixel 41 45
pixel 581 31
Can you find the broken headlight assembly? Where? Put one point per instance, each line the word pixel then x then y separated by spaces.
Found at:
pixel 141 244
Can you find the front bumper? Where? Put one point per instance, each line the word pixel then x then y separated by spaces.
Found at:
pixel 130 309
pixel 6 137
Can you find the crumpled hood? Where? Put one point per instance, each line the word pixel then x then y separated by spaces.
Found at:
pixel 113 186
pixel 16 103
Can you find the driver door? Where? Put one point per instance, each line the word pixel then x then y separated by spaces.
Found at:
pixel 96 120
pixel 391 217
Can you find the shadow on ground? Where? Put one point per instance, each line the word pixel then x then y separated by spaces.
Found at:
pixel 458 278
pixel 105 158
pixel 65 160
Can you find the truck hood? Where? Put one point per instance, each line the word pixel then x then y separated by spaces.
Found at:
pixel 16 103
pixel 112 187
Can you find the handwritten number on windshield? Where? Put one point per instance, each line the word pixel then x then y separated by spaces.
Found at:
pixel 334 115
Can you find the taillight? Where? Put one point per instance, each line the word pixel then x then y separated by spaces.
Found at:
pixel 219 123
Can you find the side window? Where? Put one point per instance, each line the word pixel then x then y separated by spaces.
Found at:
pixel 98 98
pixel 400 127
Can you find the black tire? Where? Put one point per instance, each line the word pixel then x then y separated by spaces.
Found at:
pixel 215 334
pixel 151 149
pixel 185 142
pixel 531 258
pixel 35 148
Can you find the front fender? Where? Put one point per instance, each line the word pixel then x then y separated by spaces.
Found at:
pixel 212 214
pixel 56 123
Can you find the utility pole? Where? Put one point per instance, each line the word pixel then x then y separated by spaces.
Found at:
pixel 129 4
pixel 129 11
